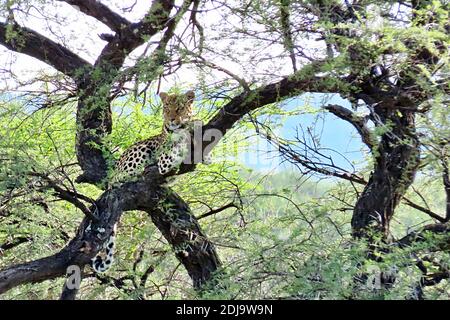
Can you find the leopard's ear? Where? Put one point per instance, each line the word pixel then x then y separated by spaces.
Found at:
pixel 190 95
pixel 163 96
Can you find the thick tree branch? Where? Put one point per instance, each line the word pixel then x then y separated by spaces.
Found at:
pixel 102 13
pixel 35 45
pixel 247 101
pixel 69 196
pixel 85 244
pixel 435 278
pixel 36 271
pixel 357 122
pixel 181 229
pixel 439 229
pixel 115 52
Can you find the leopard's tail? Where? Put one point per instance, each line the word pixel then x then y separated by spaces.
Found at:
pixel 100 264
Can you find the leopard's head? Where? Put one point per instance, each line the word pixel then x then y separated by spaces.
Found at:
pixel 177 109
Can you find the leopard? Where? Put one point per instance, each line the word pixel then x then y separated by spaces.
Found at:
pixel 167 150
pixel 170 146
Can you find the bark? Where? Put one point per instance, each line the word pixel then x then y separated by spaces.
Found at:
pixel 181 229
pixel 100 12
pixel 440 230
pixel 359 123
pixel 35 45
pixel 396 163
pixel 94 123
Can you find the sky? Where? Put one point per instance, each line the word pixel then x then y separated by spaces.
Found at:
pixel 336 138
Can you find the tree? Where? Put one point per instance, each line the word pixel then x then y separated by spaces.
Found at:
pixel 389 60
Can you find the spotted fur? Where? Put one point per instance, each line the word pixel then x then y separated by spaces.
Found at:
pixel 168 150
pixel 102 264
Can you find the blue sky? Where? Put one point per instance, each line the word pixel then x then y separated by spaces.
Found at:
pixel 337 138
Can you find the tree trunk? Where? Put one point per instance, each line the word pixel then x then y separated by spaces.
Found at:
pixel 94 123
pixel 396 163
pixel 181 229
